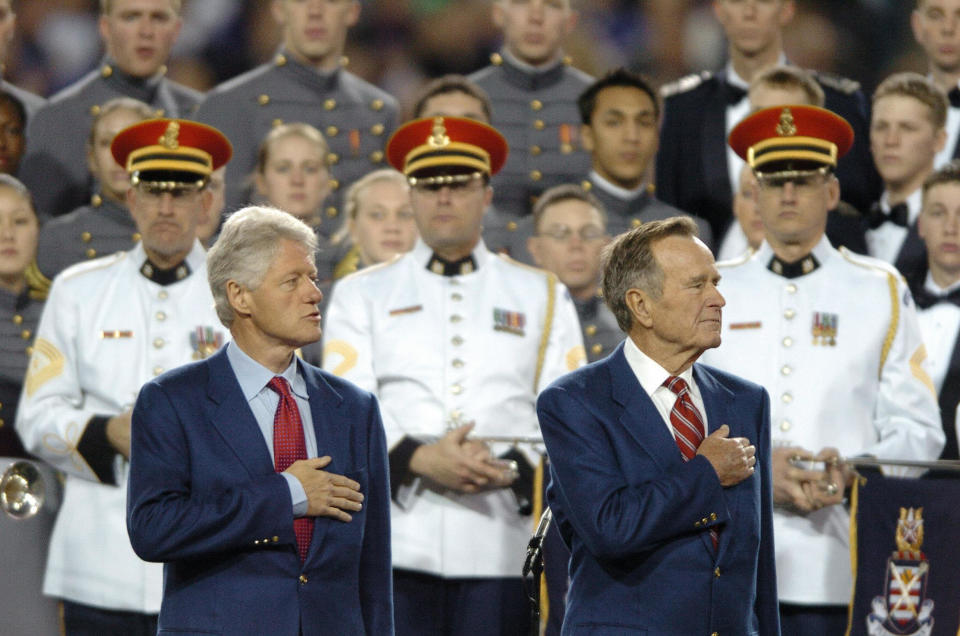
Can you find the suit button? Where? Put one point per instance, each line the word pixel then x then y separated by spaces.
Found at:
pixel 704 521
pixel 789 314
pixel 535 150
pixel 786 398
pixel 455 318
pixel 276 538
pixel 512 226
pixel 539 125
pixel 786 370
pixel 161 316
pixel 457 363
pixel 456 389
pixel 635 222
pixel 256 542
pixel 157 370
pixel 158 343
pixel 715 634
pixel 91 253
pixel 696 524
pixel 456 297
pixel 791 289
pixel 536 104
pixel 596 349
pixel 18 319
pixel 163 295
pixel 787 342
pixel 590 330
pixel 535 175
pixel 716 572
pixel 303 579
pixel 785 425
pixel 713 516
pixel 457 341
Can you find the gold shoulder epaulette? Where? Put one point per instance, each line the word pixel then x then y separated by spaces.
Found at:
pixel 38 283
pixel 348 264
pixel 684 84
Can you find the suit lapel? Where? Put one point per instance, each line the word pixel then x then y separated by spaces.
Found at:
pixel 329 428
pixel 913 252
pixel 234 420
pixel 718 403
pixel 640 416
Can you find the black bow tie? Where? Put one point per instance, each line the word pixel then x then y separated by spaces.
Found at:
pixel 954 96
pixel 899 215
pixel 925 298
pixel 733 93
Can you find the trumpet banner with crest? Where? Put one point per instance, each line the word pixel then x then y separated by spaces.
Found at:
pixel 905 550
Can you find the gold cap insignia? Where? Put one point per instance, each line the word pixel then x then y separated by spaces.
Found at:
pixel 786 127
pixel 170 138
pixel 439 138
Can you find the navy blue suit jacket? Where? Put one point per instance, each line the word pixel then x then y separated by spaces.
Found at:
pixel 204 499
pixel 634 514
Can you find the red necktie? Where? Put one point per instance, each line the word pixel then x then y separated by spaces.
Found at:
pixel 688 428
pixel 288 447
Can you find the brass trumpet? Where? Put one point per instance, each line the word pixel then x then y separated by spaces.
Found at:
pixel 22 490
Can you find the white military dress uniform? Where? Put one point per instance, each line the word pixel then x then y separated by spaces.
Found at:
pixel 840 352
pixel 440 351
pixel 106 330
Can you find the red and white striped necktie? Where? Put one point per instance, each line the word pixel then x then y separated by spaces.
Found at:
pixel 687 424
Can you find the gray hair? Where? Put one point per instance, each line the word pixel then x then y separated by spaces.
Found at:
pixel 628 263
pixel 247 245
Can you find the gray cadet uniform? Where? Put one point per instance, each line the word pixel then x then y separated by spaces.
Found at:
pixel 31 103
pixel 601 333
pixel 356 118
pixel 53 168
pixel 99 229
pixel 536 111
pixel 625 213
pixel 23 551
pixel 19 315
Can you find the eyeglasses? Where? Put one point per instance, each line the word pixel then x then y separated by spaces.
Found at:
pixel 563 233
pixel 152 195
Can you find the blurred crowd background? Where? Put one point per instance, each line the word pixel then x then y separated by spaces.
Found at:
pixel 400 43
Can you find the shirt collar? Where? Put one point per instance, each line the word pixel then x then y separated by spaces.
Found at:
pixel 935 289
pixel 734 78
pixel 648 372
pixel 914 202
pixel 253 376
pixel 615 190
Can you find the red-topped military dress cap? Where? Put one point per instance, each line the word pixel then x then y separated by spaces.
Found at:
pixel 437 150
pixel 170 154
pixel 792 139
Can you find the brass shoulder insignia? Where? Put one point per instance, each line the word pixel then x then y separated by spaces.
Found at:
pixel 839 83
pixel 684 84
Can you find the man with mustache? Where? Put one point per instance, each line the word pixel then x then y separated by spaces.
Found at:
pixel 109 326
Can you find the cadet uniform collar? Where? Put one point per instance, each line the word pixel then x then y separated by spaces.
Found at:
pixel 587 309
pixel 323 81
pixel 142 88
pixel 423 254
pixel 528 77
pixel 11 303
pixel 807 264
pixel 616 191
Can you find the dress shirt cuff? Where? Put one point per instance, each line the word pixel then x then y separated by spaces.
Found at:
pixel 298 496
pixel 97 451
pixel 400 456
